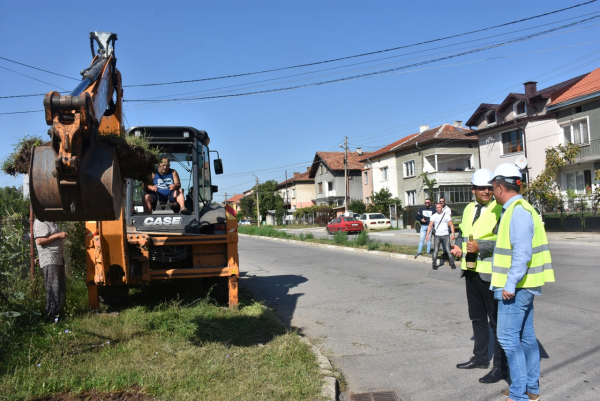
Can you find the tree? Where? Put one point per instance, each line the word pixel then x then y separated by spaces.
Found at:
pixel 248 206
pixel 12 202
pixel 269 199
pixel 382 201
pixel 357 206
pixel 430 184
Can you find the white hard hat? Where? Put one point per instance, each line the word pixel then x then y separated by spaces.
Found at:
pixel 481 177
pixel 508 171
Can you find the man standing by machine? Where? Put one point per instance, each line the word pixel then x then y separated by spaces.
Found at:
pixel 521 266
pixel 423 216
pixel 49 243
pixel 165 187
pixel 476 247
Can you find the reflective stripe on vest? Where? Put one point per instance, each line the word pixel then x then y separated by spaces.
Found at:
pixel 482 233
pixel 539 267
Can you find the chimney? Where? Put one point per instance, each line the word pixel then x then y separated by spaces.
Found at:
pixel 307 169
pixel 458 124
pixel 296 175
pixel 423 128
pixel 530 87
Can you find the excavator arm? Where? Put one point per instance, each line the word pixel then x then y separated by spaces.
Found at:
pixel 76 177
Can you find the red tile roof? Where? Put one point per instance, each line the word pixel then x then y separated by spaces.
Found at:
pixel 589 84
pixel 335 161
pixel 235 198
pixel 443 132
pixel 298 177
pixel 390 147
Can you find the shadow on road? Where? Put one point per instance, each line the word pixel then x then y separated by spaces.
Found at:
pixel 275 290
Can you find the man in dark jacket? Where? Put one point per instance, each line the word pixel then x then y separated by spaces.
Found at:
pixel 423 216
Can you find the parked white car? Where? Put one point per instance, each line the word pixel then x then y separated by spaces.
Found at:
pixel 375 221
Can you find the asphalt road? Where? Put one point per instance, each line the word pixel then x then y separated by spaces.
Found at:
pixel 397 325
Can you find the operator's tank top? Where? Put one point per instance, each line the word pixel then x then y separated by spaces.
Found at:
pixel 163 182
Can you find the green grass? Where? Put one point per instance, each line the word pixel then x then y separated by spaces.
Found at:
pixel 165 341
pixel 362 240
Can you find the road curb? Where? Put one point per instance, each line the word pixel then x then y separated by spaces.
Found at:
pixel 401 256
pixel 329 389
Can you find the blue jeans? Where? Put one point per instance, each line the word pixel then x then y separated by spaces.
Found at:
pixel 517 337
pixel 422 236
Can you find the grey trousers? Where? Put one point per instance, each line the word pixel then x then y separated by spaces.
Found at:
pixel 55 281
pixel 438 240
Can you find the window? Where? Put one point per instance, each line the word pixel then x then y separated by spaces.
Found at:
pixel 519 108
pixel 576 132
pixel 455 194
pixel 321 169
pixel 366 174
pixel 411 198
pixel 330 186
pixel 384 173
pixel 320 187
pixel 577 109
pixel 512 141
pixel 490 117
pixel 368 200
pixel 293 193
pixel 409 168
pixel 578 180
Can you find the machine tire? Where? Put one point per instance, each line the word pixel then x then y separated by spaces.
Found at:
pixel 113 295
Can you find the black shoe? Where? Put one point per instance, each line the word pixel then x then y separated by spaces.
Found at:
pixel 453 266
pixel 434 267
pixel 494 376
pixel 416 254
pixel 473 363
pixel 184 211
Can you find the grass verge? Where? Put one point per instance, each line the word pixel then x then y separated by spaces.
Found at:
pixel 362 240
pixel 165 342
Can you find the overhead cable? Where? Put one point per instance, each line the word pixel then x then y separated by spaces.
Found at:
pixel 368 53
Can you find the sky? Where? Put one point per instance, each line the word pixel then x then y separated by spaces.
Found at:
pixel 270 133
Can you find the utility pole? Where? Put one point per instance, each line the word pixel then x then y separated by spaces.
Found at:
pixel 257 204
pixel 286 198
pixel 346 173
pixel 225 198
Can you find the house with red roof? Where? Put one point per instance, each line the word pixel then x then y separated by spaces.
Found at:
pixel 234 202
pixel 521 127
pixel 446 153
pixel 298 191
pixel 328 172
pixel 577 112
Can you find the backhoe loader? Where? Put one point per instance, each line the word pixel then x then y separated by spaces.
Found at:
pixel 76 178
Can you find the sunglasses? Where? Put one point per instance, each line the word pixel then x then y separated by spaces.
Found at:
pixel 489 188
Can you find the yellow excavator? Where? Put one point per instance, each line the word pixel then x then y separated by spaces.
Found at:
pixel 76 177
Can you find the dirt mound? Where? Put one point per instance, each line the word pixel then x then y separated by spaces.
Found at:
pixel 18 161
pixel 136 158
pixel 96 396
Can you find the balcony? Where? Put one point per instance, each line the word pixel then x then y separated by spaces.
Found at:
pixel 588 151
pixel 451 177
pixel 445 166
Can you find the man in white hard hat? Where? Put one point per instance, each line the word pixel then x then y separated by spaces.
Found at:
pixel 480 220
pixel 521 265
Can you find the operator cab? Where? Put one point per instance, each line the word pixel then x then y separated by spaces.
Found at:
pixel 187 150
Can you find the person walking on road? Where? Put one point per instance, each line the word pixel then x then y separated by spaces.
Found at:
pixel 49 242
pixel 521 265
pixel 423 216
pixel 439 224
pixel 480 219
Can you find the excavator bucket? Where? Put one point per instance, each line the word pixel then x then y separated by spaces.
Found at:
pixel 95 193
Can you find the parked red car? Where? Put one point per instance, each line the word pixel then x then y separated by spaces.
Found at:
pixel 345 224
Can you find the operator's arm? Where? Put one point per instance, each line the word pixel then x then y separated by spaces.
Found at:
pixel 43 241
pixel 176 182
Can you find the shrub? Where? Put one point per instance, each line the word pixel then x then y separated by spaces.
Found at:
pixel 340 238
pixel 362 239
pixel 301 237
pixel 373 245
pixel 309 236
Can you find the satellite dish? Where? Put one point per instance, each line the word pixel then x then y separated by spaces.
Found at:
pixel 521 162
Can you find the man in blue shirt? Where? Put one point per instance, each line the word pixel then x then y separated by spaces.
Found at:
pixel 165 187
pixel 423 216
pixel 515 328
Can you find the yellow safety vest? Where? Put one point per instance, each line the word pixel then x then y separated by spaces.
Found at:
pixel 539 267
pixel 482 232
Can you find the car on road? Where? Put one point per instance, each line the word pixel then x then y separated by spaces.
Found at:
pixel 247 222
pixel 375 221
pixel 346 224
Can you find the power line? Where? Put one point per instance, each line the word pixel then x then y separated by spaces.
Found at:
pixel 368 75
pixel 35 79
pixel 368 53
pixel 39 69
